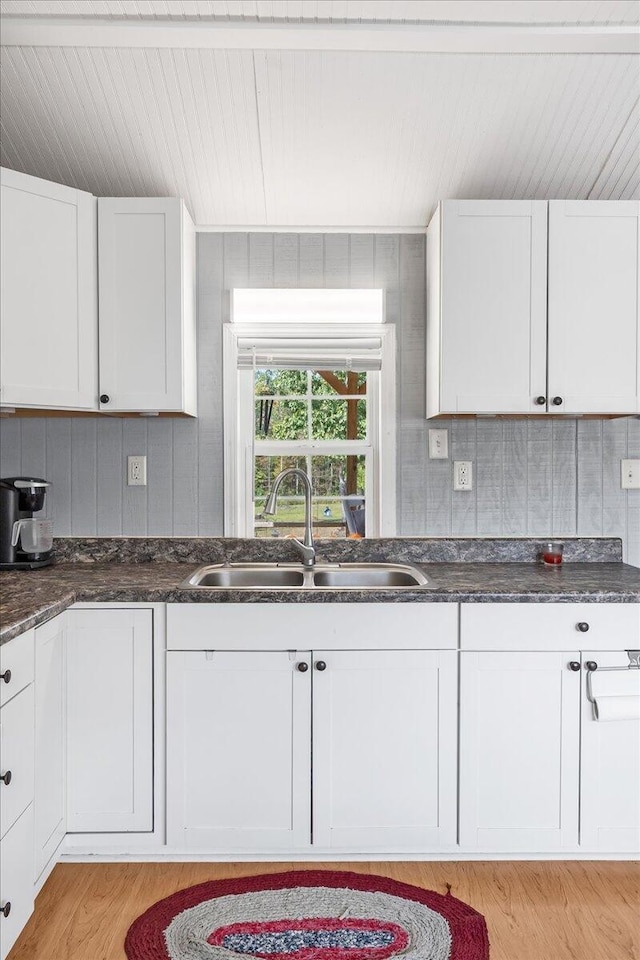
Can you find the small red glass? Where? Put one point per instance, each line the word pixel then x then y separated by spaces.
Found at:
pixel 552 553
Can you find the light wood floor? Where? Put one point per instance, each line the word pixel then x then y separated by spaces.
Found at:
pixel 534 911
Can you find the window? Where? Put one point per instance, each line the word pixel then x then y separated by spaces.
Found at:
pixel 324 402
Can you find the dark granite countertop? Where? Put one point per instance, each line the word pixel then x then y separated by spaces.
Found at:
pixel 29 598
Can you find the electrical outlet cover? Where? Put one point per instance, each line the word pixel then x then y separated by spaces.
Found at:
pixel 137 471
pixel 463 475
pixel 630 471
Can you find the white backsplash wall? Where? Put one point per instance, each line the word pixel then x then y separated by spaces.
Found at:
pixel 536 477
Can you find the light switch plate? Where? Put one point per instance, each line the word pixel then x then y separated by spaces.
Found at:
pixel 630 474
pixel 438 444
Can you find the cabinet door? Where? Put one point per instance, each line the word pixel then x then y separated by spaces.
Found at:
pixel 16 758
pixel 384 750
pixel 238 751
pixel 147 319
pixel 594 286
pixel 16 880
pixel 109 721
pixel 50 748
pixel 519 751
pixel 493 277
pixel 610 763
pixel 49 295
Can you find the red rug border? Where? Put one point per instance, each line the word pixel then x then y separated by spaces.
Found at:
pixel 470 939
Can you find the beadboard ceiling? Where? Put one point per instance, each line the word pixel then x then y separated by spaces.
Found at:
pixel 412 11
pixel 323 138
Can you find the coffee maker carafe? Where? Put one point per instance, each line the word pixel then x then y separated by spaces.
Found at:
pixel 25 541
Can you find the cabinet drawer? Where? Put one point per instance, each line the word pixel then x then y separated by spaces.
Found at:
pixel 16 757
pixel 17 665
pixel 16 879
pixel 298 626
pixel 550 626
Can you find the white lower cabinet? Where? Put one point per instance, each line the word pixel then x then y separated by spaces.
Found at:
pixel 539 773
pixel 384 749
pixel 50 766
pixel 238 750
pixel 610 761
pixel 251 734
pixel 16 788
pixel 16 757
pixel 16 880
pixel 519 756
pixel 109 695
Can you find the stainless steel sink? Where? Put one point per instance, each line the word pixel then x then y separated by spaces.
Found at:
pixel 239 575
pixel 368 576
pixel 343 576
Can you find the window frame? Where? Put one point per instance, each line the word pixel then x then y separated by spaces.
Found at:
pixel 238 425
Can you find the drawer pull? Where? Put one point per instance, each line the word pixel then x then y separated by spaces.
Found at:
pixel 6 909
pixel 582 627
pixel 6 676
pixel 574 665
pixel 6 778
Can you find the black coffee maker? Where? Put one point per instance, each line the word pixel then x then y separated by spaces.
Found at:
pixel 25 541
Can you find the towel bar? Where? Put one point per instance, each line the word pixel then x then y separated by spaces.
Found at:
pixel 592 666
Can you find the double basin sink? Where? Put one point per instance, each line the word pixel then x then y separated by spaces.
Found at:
pixel 291 576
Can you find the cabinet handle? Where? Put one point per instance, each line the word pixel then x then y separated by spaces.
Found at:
pixel 574 665
pixel 6 676
pixel 6 909
pixel 303 667
pixel 541 401
pixel 321 665
pixel 104 398
pixel 6 777
pixel 557 401
pixel 591 665
pixel 582 627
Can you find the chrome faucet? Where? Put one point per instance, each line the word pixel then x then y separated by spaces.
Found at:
pixel 306 548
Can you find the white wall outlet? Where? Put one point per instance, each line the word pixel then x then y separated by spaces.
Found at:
pixel 630 474
pixel 463 475
pixel 438 444
pixel 136 471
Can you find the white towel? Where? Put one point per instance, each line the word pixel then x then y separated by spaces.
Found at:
pixel 617 708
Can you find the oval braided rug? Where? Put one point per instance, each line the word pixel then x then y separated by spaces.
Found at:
pixel 308 915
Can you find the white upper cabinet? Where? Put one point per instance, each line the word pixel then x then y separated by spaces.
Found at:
pixel 147 312
pixel 594 333
pixel 49 295
pixel 486 302
pixel 502 337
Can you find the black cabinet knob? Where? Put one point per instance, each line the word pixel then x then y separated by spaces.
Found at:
pixel 557 401
pixel 591 665
pixel 303 667
pixel 6 909
pixel 6 777
pixel 321 665
pixel 6 676
pixel 574 665
pixel 582 627
pixel 104 398
pixel 541 401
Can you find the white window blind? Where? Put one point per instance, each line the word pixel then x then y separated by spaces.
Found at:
pixel 305 353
